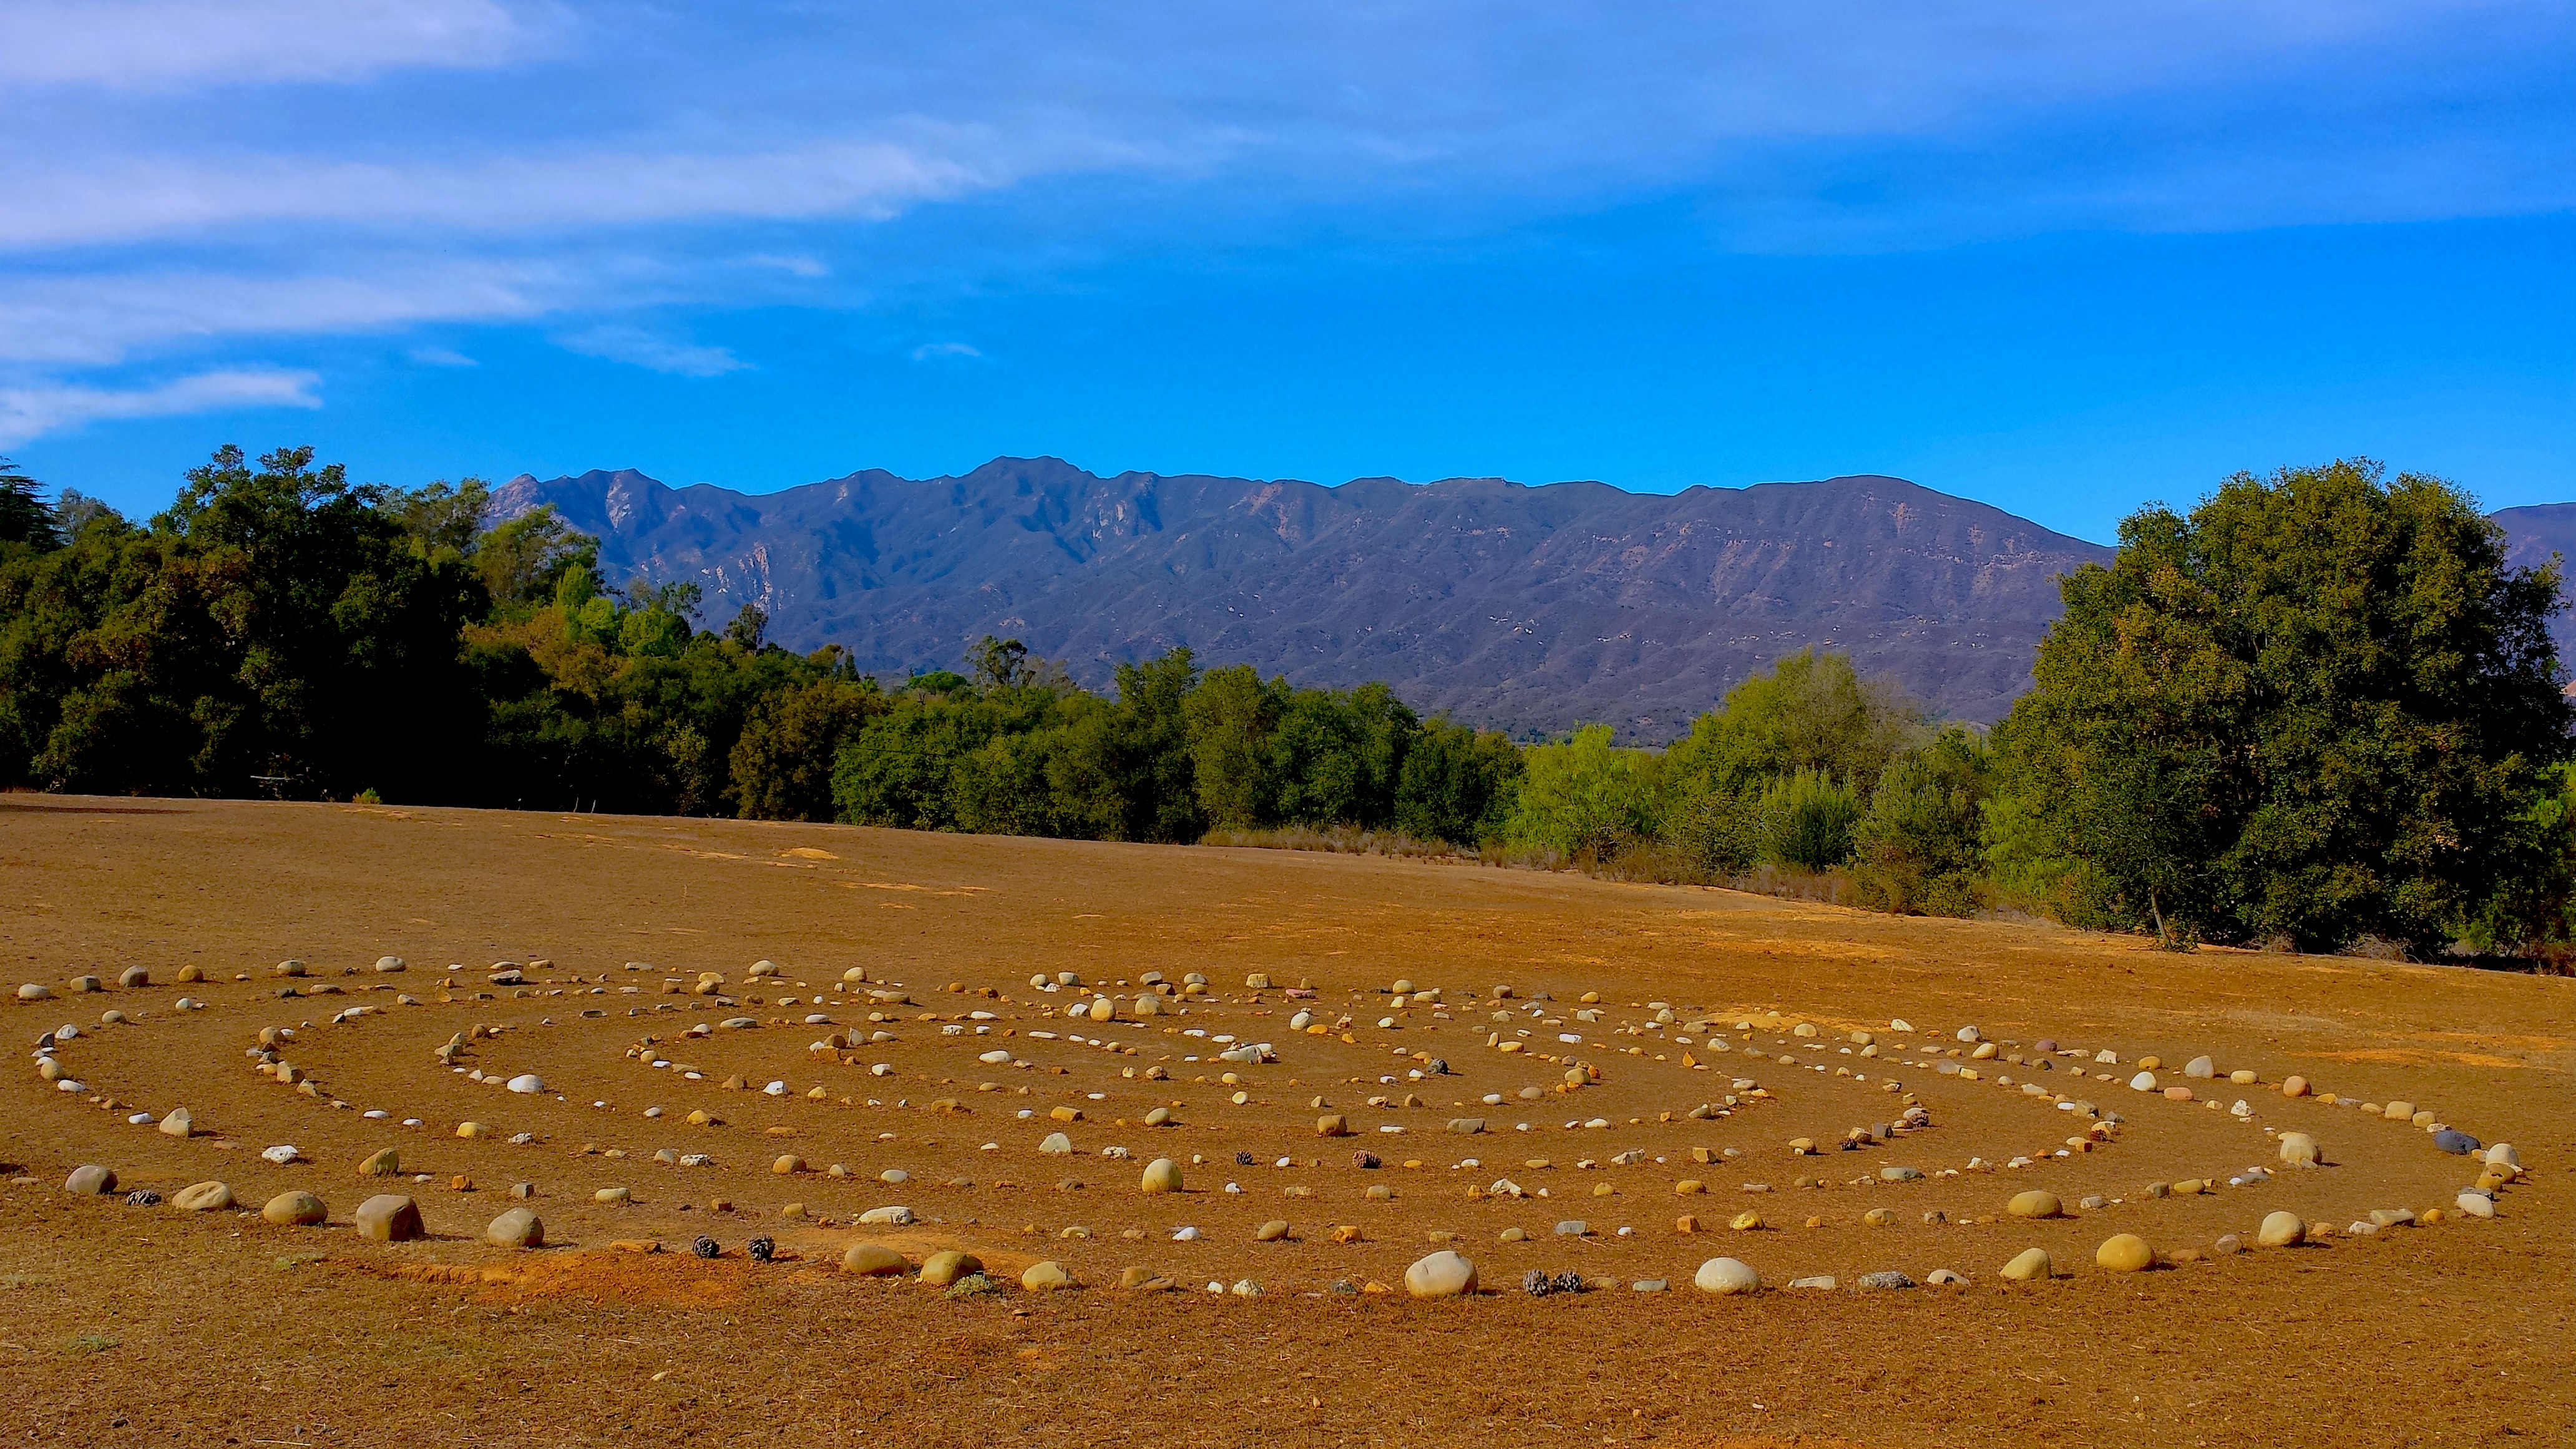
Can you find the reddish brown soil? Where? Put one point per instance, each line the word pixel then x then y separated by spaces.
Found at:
pixel 144 1324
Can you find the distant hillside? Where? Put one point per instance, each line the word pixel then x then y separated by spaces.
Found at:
pixel 2533 533
pixel 1525 608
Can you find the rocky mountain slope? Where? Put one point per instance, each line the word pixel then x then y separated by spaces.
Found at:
pixel 1527 608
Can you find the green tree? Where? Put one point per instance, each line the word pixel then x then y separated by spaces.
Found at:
pixel 1920 845
pixel 525 560
pixel 1457 784
pixel 272 630
pixel 1809 711
pixel 1584 797
pixel 440 516
pixel 1135 766
pixel 791 738
pixel 1231 716
pixel 24 518
pixel 1808 819
pixel 2315 708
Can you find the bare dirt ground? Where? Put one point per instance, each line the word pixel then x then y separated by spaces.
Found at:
pixel 147 1324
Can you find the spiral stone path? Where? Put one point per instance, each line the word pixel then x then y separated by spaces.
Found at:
pixel 600 1069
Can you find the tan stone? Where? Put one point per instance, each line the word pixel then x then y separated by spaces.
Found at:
pixel 873 1260
pixel 388 1217
pixel 202 1197
pixel 2031 1264
pixel 2125 1253
pixel 295 1210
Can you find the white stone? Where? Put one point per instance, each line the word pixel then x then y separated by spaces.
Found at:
pixel 1441 1275
pixel 527 1084
pixel 1727 1275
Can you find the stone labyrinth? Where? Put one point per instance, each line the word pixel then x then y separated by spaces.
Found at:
pixel 1238 1137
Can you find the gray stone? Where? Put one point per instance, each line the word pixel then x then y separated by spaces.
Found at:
pixel 2456 1142
pixel 91 1181
pixel 517 1228
pixel 1887 1280
pixel 1574 1228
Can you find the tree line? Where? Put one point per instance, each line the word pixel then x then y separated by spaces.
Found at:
pixel 2318 707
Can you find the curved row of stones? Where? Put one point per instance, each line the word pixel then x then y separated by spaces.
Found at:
pixel 395 1217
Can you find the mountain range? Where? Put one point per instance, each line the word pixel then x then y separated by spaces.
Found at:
pixel 1525 608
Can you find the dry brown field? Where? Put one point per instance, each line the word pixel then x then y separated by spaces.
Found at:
pixel 123 1323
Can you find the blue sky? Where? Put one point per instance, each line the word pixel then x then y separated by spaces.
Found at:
pixel 2064 258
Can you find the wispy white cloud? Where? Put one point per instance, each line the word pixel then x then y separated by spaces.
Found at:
pixel 155 43
pixel 620 343
pixel 441 357
pixel 102 317
pixel 930 350
pixel 64 200
pixel 809 268
pixel 32 411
